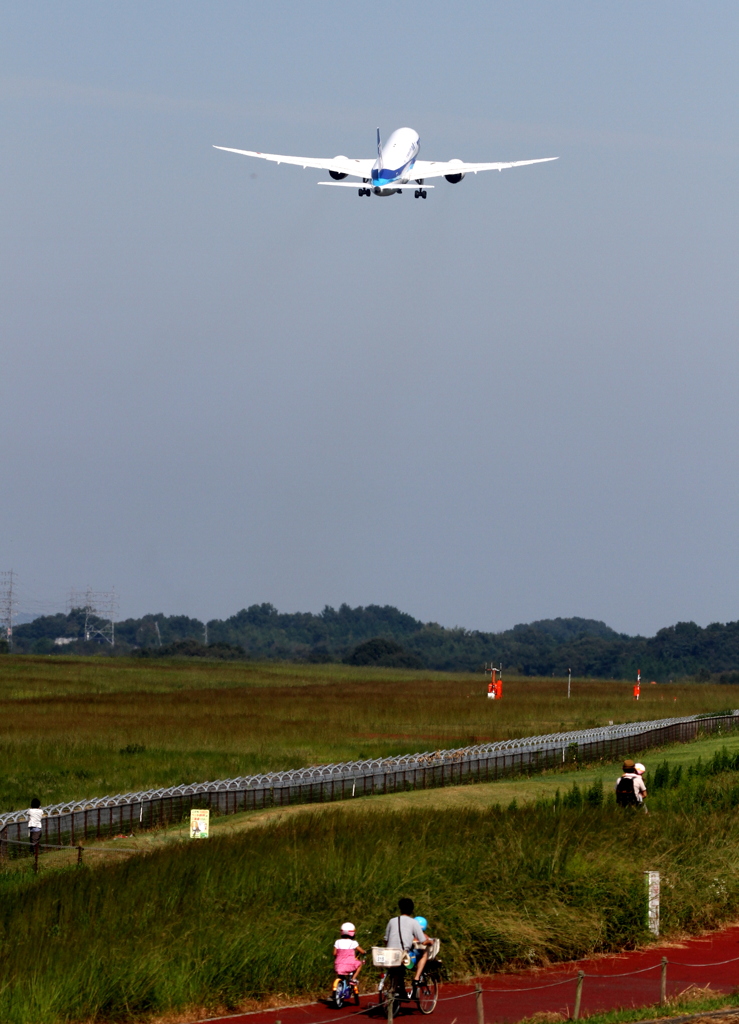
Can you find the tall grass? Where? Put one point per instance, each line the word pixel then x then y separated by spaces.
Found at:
pixel 212 923
pixel 63 722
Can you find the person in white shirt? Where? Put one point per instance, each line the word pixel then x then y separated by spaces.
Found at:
pixel 630 788
pixel 35 817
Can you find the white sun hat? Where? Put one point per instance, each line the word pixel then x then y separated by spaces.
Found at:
pixel 347 926
pixel 638 767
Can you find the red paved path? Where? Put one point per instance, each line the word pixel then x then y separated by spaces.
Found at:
pixel 604 992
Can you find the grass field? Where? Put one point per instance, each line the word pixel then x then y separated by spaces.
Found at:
pixel 65 723
pixel 506 874
pixel 213 924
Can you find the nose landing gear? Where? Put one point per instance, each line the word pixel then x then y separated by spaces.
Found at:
pixel 364 192
pixel 420 193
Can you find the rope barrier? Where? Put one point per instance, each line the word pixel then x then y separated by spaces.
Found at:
pixel 534 988
pixel 295 1006
pixel 26 844
pixel 328 1020
pixel 606 977
pixel 719 963
pixel 42 846
pixel 626 974
pixel 462 995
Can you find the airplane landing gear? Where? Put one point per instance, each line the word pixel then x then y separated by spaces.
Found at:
pixel 420 193
pixel 364 192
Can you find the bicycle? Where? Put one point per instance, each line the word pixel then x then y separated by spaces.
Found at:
pixel 344 989
pixel 393 989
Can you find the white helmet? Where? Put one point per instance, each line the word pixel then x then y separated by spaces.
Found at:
pixel 639 768
pixel 348 928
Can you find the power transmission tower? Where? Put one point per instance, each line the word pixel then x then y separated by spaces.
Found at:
pixel 100 608
pixel 7 605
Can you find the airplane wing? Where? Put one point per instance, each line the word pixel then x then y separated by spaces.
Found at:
pixel 341 164
pixel 353 184
pixel 436 169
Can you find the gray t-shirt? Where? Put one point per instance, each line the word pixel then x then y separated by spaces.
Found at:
pixel 409 932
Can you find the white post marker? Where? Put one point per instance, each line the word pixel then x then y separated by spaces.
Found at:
pixel 651 881
pixel 199 824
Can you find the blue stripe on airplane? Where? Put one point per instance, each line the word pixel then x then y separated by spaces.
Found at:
pixel 387 176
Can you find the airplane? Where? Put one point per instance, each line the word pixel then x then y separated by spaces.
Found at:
pixel 396 166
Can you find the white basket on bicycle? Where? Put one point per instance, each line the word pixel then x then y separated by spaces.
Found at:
pixel 383 956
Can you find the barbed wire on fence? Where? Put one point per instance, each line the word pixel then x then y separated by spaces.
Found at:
pixel 347 779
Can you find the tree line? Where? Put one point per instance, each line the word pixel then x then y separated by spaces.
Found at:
pixel 383 635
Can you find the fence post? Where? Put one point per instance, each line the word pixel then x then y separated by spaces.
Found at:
pixel 663 983
pixel 578 995
pixel 478 1004
pixel 391 1000
pixel 79 854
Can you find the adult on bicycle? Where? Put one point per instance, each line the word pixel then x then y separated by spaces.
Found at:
pixel 403 931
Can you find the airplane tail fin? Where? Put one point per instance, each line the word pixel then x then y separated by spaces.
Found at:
pixel 379 145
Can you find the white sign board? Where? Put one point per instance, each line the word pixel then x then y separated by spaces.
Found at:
pixel 199 824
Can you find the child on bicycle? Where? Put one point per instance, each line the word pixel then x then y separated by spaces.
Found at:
pixel 345 950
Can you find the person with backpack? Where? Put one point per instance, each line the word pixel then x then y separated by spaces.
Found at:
pixel 630 788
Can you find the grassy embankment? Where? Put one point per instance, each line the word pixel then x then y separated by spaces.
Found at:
pixel 65 723
pixel 215 923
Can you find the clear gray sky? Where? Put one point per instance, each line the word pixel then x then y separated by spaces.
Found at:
pixel 223 385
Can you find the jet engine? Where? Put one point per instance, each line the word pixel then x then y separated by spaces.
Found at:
pixel 454 179
pixel 338 175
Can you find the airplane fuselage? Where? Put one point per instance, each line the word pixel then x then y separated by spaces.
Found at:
pixel 395 160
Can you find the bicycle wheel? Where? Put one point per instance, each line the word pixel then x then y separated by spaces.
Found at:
pixel 427 994
pixel 339 995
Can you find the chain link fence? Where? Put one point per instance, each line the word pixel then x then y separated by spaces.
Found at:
pixel 75 821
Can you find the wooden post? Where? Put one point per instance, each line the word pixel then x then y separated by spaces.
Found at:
pixel 578 995
pixel 478 1004
pixel 663 983
pixel 79 854
pixel 390 996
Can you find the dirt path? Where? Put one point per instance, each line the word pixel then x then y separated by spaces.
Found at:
pixel 553 989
